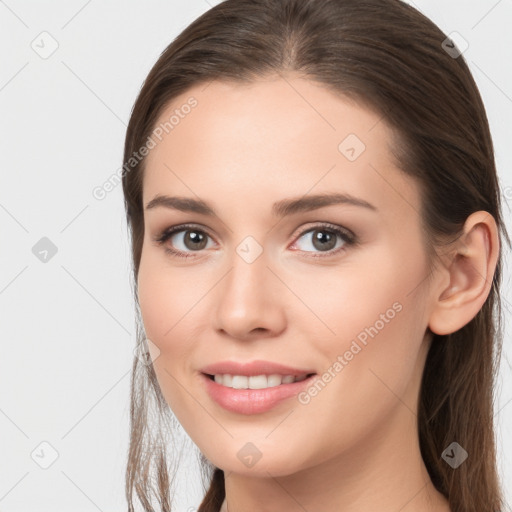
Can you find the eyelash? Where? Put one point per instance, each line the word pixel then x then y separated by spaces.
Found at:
pixel 349 238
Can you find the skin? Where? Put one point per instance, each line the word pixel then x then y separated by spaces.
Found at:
pixel 354 446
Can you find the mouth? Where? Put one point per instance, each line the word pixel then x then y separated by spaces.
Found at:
pixel 254 394
pixel 262 381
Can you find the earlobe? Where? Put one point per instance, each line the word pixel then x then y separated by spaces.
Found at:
pixel 471 269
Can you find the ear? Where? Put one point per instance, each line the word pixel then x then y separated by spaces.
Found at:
pixel 469 270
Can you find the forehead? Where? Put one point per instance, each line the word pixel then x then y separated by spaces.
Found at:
pixel 274 138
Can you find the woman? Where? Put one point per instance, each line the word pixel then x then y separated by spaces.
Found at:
pixel 315 217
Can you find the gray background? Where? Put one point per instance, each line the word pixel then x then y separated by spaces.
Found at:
pixel 67 323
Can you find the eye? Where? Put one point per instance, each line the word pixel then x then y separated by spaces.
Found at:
pixel 186 238
pixel 324 239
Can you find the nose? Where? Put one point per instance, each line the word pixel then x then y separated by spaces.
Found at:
pixel 249 302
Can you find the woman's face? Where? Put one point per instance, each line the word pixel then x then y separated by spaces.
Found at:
pixel 267 278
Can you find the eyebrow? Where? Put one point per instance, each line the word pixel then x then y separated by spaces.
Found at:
pixel 281 208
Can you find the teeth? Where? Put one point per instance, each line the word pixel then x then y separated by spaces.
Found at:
pixel 240 382
pixel 256 381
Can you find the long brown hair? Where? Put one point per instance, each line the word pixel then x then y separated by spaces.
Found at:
pixel 389 56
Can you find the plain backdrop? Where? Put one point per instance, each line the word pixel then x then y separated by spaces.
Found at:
pixel 69 75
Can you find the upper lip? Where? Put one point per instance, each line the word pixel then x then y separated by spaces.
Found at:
pixel 253 368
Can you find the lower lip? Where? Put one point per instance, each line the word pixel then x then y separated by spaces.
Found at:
pixel 252 401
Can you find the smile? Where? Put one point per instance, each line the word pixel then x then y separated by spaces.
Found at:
pixel 255 381
pixel 267 393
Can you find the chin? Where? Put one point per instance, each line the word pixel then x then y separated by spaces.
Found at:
pixel 249 460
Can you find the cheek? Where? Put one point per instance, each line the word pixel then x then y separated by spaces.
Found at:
pixel 372 320
pixel 373 360
pixel 165 296
pixel 161 311
pixel 164 305
pixel 155 305
pixel 369 291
